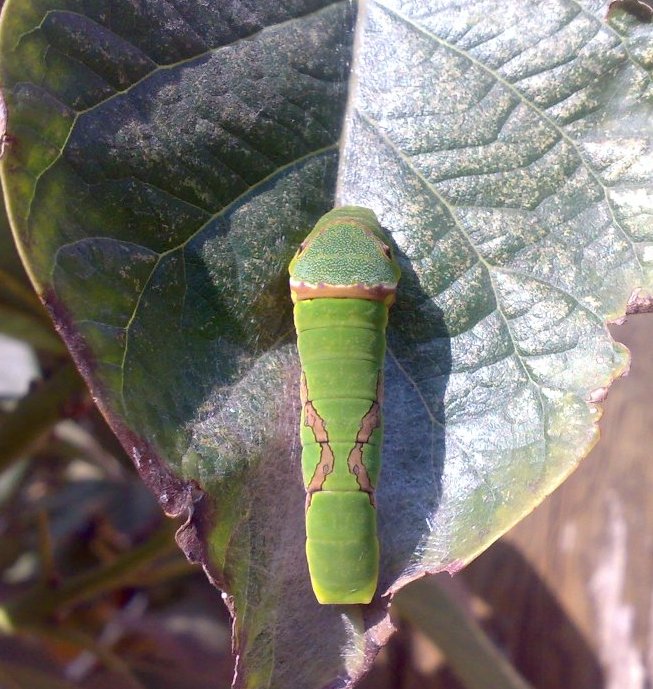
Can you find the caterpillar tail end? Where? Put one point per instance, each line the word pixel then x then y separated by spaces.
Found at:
pixel 342 547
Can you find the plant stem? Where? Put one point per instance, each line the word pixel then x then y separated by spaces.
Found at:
pixel 42 601
pixel 472 657
pixel 37 412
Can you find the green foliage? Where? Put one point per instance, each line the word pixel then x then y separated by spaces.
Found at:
pixel 166 166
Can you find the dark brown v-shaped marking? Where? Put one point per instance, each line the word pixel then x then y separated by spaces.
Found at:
pixel 369 422
pixel 316 423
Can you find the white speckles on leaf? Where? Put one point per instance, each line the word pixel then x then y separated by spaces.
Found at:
pixel 525 181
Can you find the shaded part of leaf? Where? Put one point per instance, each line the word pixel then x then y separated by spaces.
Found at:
pixel 101 278
pixel 206 133
pixel 79 40
pixel 158 161
pixel 86 40
pixel 163 285
pixel 35 117
pixel 219 301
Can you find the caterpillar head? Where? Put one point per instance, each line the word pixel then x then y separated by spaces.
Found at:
pixel 347 254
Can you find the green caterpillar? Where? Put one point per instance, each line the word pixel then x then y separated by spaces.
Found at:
pixel 343 280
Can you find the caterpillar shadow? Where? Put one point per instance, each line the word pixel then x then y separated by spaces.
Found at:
pixel 417 370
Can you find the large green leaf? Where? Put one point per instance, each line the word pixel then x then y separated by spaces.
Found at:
pixel 518 147
pixel 167 160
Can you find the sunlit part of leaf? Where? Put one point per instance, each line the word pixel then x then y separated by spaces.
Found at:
pixel 512 163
